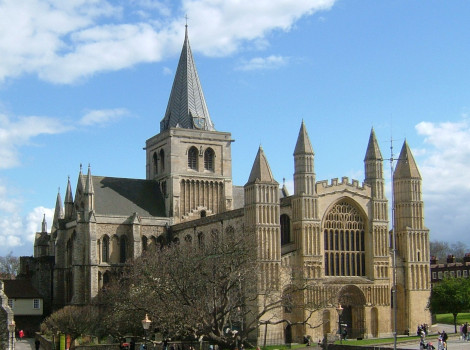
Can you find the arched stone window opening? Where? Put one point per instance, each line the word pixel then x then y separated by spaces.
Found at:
pixel 161 241
pixel 192 158
pixel 105 249
pixel 344 241
pixel 122 249
pixel 200 239
pixel 155 162
pixel 162 160
pixel 106 278
pixel 203 213
pixel 209 159
pixel 144 243
pixel 285 229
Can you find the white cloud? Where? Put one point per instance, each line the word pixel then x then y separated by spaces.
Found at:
pixel 102 116
pixel 20 131
pixel 270 62
pixel 65 41
pixel 16 231
pixel 445 170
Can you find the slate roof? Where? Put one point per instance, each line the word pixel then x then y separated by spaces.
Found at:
pixel 20 289
pixel 121 196
pixel 187 106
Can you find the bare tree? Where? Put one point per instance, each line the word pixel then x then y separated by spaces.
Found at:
pixel 194 289
pixel 72 320
pixel 9 265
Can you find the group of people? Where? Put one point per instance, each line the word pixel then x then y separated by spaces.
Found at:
pixel 464 332
pixel 423 330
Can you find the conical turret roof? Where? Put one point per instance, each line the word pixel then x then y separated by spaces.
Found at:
pixel 59 209
pixel 303 145
pixel 261 172
pixel 89 183
pixel 187 106
pixel 373 150
pixel 406 165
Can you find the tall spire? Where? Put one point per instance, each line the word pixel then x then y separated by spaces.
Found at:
pixel 260 172
pixel 406 165
pixel 187 106
pixel 68 200
pixel 89 189
pixel 59 209
pixel 44 224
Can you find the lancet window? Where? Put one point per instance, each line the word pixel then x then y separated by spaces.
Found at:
pixel 344 241
pixel 209 159
pixel 192 158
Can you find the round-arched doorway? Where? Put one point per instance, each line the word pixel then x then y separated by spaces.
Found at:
pixel 352 319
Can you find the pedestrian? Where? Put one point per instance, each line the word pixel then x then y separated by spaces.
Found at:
pixel 444 339
pixel 21 334
pixel 37 343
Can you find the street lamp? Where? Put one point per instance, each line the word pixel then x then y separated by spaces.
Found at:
pixel 339 309
pixel 146 324
pixel 11 329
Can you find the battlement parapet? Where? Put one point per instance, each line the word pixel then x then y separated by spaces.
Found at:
pixel 343 185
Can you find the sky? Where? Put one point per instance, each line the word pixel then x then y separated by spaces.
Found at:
pixel 88 81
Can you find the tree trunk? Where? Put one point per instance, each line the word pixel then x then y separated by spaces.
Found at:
pixel 455 322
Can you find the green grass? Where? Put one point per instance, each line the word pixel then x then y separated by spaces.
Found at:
pixel 449 318
pixel 377 340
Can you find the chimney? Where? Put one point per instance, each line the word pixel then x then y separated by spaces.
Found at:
pixel 450 259
pixel 435 260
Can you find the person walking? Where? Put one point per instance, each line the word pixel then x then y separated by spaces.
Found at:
pixel 21 334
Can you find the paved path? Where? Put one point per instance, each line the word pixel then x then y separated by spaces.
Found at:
pixel 25 344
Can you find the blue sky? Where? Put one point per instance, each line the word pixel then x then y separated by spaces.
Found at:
pixel 88 81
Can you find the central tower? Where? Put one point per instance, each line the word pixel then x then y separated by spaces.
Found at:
pixel 190 159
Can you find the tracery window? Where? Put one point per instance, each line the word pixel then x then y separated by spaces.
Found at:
pixel 209 159
pixel 344 241
pixel 192 158
pixel 162 160
pixel 285 229
pixel 105 249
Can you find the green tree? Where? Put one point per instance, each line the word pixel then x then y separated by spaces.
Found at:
pixel 451 295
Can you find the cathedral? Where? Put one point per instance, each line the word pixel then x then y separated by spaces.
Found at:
pixel 337 232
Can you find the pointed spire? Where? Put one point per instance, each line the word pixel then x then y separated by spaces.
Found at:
pixel 44 224
pixel 303 145
pixel 68 192
pixel 89 182
pixel 406 165
pixel 261 172
pixel 59 209
pixel 373 150
pixel 187 106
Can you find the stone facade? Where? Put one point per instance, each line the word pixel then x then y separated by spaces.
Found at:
pixel 333 234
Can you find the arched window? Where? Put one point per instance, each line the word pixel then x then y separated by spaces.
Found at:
pixel 144 243
pixel 344 241
pixel 155 162
pixel 192 158
pixel 162 160
pixel 200 238
pixel 105 249
pixel 285 229
pixel 122 249
pixel 209 159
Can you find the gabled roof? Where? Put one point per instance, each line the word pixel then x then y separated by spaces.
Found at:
pixel 121 196
pixel 303 145
pixel 261 172
pixel 20 289
pixel 406 166
pixel 186 106
pixel 373 150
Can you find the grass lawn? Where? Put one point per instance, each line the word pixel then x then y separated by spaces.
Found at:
pixel 377 341
pixel 449 318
